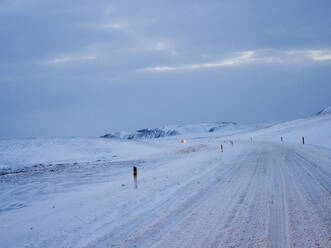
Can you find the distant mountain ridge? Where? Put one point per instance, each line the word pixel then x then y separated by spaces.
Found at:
pixel 326 110
pixel 172 130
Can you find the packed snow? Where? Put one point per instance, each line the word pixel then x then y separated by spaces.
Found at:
pixel 259 192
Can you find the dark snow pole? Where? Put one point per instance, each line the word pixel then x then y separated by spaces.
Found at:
pixel 221 148
pixel 303 140
pixel 281 139
pixel 135 173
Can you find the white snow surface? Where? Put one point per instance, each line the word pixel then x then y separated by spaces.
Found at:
pixel 260 192
pixel 18 153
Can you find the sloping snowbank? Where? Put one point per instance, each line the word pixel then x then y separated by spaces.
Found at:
pixel 316 130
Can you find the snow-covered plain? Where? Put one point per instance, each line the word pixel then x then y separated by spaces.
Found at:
pixel 260 192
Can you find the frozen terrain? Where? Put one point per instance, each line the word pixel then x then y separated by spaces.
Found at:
pixel 260 192
pixel 173 130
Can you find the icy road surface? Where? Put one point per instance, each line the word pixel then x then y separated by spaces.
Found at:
pixel 255 194
pixel 252 195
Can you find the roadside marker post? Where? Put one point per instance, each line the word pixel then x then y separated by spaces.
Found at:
pixel 303 140
pixel 135 174
pixel 221 148
pixel 281 139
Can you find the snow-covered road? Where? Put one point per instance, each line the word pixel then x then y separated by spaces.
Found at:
pixel 260 194
pixel 256 200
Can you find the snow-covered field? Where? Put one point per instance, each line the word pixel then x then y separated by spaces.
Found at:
pixel 260 192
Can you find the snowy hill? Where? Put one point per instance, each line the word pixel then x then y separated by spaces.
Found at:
pixel 173 130
pixel 316 130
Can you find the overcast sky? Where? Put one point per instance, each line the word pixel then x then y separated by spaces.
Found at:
pixel 83 68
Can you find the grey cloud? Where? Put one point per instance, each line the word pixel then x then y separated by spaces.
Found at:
pixel 65 64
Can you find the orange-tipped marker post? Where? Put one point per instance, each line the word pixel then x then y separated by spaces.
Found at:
pixel 135 175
